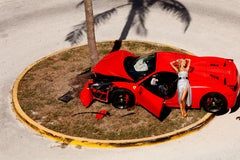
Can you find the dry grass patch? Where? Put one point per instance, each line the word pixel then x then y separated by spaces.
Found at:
pixel 41 87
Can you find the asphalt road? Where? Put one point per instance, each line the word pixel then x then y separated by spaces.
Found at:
pixel 30 30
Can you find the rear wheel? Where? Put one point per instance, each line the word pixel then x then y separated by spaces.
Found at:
pixel 122 98
pixel 214 103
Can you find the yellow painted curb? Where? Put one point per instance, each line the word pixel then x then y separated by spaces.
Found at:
pixel 79 141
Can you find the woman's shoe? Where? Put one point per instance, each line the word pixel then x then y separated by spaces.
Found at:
pixel 184 115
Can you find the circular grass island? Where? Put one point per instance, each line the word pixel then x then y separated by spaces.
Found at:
pixel 36 101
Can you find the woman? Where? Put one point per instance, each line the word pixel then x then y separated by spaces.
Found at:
pixel 184 89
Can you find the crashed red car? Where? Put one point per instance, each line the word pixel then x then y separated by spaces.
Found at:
pixel 124 79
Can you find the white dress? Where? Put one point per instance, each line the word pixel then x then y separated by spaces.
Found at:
pixel 182 84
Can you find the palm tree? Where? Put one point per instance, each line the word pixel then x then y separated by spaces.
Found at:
pixel 136 17
pixel 90 31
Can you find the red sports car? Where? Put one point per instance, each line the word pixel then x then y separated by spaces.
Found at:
pixel 123 79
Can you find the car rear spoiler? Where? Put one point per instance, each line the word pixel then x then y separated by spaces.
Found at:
pixel 232 78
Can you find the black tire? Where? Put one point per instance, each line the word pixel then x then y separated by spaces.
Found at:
pixel 122 98
pixel 214 103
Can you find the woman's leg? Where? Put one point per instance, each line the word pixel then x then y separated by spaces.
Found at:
pixel 183 111
pixel 183 102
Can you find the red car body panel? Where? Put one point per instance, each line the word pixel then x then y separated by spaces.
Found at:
pixel 153 103
pixel 206 75
pixel 86 95
pixel 113 68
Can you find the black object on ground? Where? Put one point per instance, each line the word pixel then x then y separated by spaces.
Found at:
pixel 66 97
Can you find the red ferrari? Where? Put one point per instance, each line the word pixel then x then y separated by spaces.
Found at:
pixel 124 80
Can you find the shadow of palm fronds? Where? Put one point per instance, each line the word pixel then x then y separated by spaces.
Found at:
pixel 136 17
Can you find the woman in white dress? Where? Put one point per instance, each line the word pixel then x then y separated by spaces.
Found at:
pixel 183 86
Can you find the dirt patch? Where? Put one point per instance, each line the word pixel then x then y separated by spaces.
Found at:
pixel 48 80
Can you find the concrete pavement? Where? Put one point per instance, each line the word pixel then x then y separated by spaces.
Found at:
pixel 30 30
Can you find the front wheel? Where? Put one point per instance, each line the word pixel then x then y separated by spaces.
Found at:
pixel 214 103
pixel 122 98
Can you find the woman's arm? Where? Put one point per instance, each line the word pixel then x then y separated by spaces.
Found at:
pixel 172 65
pixel 188 65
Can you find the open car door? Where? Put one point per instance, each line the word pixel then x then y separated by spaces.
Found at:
pixel 150 101
pixel 155 89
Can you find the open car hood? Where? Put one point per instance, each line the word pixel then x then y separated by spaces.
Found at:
pixel 113 64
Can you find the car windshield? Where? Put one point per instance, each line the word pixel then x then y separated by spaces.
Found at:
pixel 139 67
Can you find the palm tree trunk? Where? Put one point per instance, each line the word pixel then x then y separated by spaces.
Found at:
pixel 90 31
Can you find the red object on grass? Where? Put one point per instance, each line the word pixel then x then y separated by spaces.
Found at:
pixel 101 114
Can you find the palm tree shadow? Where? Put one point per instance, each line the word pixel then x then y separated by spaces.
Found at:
pixel 136 18
pixel 117 45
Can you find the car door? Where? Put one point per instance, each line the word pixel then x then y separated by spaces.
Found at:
pixel 155 89
pixel 149 101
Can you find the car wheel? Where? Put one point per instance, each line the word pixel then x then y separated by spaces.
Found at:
pixel 122 98
pixel 214 103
